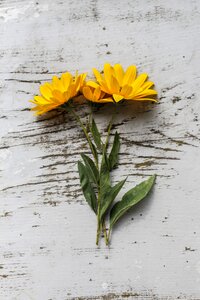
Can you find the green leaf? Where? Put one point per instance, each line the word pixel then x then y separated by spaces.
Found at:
pixel 104 175
pixel 114 154
pixel 86 186
pixel 96 135
pixel 132 197
pixel 92 169
pixel 110 196
pixel 94 152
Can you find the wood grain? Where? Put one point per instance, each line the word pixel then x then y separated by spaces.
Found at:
pixel 47 232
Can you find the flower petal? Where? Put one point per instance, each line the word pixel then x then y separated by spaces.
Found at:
pixel 57 84
pixel 45 91
pixel 87 92
pixel 105 100
pixel 108 72
pixel 104 87
pixel 97 93
pixel 119 73
pixel 40 100
pixel 126 90
pixel 97 74
pixel 139 81
pixel 147 85
pixel 92 84
pixel 117 98
pixel 146 93
pixel 82 79
pixel 57 95
pixel 114 85
pixel 130 75
pixel 66 79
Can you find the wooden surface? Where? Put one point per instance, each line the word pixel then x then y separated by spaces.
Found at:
pixel 47 232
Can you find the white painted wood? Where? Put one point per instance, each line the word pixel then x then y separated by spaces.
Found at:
pixel 47 232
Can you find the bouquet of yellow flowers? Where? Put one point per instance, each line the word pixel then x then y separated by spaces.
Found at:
pixel 111 86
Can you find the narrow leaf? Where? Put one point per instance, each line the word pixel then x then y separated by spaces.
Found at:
pixel 114 154
pixel 95 152
pixel 96 135
pixel 86 186
pixel 131 198
pixel 104 175
pixel 92 169
pixel 110 196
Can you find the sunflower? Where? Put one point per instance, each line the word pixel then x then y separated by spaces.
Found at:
pixel 58 92
pixel 120 84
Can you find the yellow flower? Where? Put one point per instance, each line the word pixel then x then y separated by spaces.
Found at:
pixel 122 84
pixel 58 92
pixel 92 91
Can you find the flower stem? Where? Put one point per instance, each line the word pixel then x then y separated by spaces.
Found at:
pixel 109 128
pixel 98 231
pixel 109 232
pixel 105 233
pixel 70 108
pixel 101 226
pixel 98 216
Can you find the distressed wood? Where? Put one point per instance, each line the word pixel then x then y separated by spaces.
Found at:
pixel 47 231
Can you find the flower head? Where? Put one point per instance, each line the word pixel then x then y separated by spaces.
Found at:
pixel 120 84
pixel 58 92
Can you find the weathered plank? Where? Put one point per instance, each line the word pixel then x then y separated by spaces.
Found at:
pixel 47 232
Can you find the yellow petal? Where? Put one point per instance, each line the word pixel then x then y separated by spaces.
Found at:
pixel 57 83
pixel 105 100
pixel 119 73
pixel 108 74
pixel 45 91
pixel 117 98
pixel 73 89
pixel 92 84
pixel 126 90
pixel 77 84
pixel 97 74
pixel 130 75
pixel 67 95
pixel 66 79
pixel 82 81
pixel 97 93
pixel 40 100
pixel 102 95
pixel 146 93
pixel 41 109
pixel 139 81
pixel 87 93
pixel 104 87
pixel 57 95
pixel 114 85
pixel 147 85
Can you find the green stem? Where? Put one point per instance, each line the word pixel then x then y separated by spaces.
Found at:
pixel 108 134
pixel 98 218
pixel 70 108
pixel 106 236
pixel 109 128
pixel 109 232
pixel 98 231
pixel 105 233
pixel 100 225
